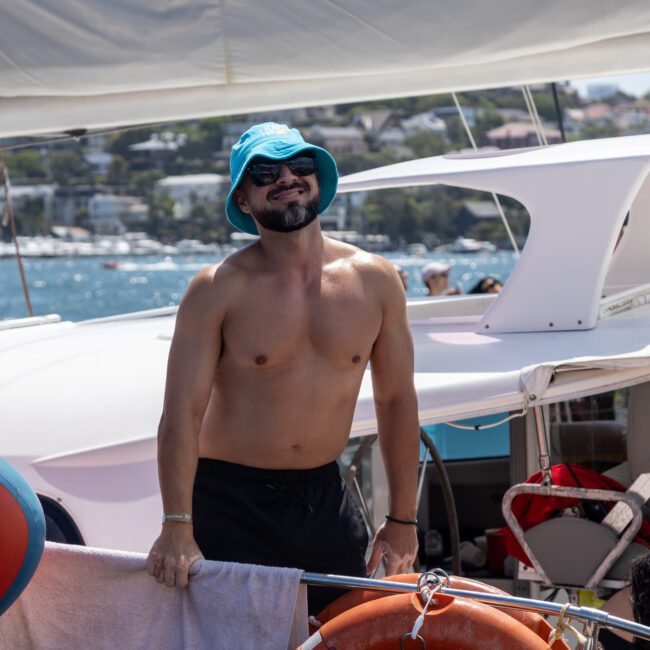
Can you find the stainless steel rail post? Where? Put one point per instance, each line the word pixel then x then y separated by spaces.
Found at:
pixel 591 632
pixel 542 441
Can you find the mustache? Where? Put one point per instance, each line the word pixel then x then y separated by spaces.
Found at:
pixel 296 185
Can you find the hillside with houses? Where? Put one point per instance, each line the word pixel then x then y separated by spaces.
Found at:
pixel 171 181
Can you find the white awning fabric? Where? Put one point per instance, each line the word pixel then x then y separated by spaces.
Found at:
pixel 109 63
pixel 536 380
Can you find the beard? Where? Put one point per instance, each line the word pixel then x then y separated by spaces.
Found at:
pixel 291 218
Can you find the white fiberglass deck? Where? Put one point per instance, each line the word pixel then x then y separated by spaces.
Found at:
pixel 460 374
pixel 101 383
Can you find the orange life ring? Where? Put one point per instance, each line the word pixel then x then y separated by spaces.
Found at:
pixel 452 623
pixel 534 622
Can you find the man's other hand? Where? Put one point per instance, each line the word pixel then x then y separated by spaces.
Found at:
pixel 172 555
pixel 398 543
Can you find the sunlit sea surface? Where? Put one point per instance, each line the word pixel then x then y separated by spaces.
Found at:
pixel 82 288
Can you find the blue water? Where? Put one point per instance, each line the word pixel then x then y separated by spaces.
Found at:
pixel 81 288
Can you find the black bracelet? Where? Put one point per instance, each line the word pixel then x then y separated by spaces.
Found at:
pixel 406 522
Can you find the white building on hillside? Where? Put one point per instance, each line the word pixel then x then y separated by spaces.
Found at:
pixel 108 214
pixel 338 139
pixel 424 122
pixel 22 194
pixel 190 189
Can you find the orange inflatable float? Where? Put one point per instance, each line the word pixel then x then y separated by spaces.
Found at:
pixel 377 620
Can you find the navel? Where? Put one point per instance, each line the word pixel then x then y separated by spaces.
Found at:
pixel 356 358
pixel 260 359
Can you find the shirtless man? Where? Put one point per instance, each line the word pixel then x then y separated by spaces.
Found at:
pixel 264 371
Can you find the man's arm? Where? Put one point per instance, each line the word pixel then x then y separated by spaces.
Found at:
pixel 193 357
pixel 397 417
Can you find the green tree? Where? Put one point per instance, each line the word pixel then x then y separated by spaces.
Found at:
pixel 68 167
pixel 357 162
pixel 118 171
pixel 30 217
pixel 207 222
pixel 81 217
pixel 203 140
pixel 426 143
pixel 594 132
pixel 120 142
pixel 487 121
pixel 162 223
pixel 393 212
pixel 430 102
pixel 26 164
pixel 456 133
pixel 494 230
pixel 439 209
pixel 142 182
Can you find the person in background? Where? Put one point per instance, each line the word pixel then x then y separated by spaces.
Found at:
pixel 489 284
pixel 435 276
pixel 640 573
pixel 631 603
pixel 403 276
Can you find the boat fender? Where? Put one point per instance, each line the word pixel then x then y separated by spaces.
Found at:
pixel 22 534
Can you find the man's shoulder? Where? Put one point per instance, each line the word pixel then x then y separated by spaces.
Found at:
pixel 215 285
pixel 223 274
pixel 376 272
pixel 362 261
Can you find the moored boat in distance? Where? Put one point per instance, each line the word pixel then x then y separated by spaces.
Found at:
pixel 468 245
pixel 417 250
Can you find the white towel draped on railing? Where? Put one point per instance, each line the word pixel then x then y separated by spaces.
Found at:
pixel 83 597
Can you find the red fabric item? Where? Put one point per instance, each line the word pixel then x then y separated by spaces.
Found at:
pixel 533 509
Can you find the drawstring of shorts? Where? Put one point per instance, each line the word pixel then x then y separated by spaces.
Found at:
pixel 281 487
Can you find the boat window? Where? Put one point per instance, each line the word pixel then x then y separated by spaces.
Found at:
pixel 459 227
pixel 463 444
pixel 590 431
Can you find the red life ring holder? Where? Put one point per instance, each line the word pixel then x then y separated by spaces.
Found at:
pixel 538 624
pixel 450 624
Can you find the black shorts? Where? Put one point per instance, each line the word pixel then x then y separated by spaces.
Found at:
pixel 305 519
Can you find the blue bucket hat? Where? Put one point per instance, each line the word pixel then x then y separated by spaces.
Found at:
pixel 276 142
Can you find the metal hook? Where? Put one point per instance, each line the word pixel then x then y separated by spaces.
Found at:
pixel 435 579
pixel 418 638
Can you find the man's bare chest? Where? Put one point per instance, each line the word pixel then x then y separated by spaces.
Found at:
pixel 337 324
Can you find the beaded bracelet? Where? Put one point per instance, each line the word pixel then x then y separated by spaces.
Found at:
pixel 406 522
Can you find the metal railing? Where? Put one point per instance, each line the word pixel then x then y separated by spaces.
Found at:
pixel 589 615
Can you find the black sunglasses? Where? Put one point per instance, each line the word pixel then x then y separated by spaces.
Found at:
pixel 263 171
